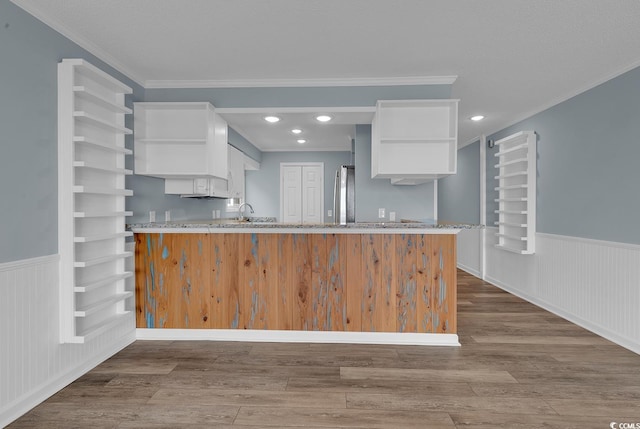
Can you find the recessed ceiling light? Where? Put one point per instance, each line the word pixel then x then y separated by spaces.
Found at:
pixel 272 119
pixel 477 118
pixel 323 118
pixel 301 141
pixel 296 131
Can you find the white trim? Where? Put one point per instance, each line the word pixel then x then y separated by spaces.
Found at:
pixel 595 241
pixel 302 83
pixel 23 404
pixel 483 204
pixel 435 200
pixel 255 335
pixel 32 9
pixel 534 111
pixel 469 270
pixel 31 262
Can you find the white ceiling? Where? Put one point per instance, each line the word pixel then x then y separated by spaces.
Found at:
pixel 512 58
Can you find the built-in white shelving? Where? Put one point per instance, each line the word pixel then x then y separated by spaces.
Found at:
pixel 516 192
pixel 414 141
pixel 91 200
pixel 183 140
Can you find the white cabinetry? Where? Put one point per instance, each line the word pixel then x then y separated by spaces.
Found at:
pixel 180 141
pixel 236 173
pixel 516 192
pixel 414 141
pixel 91 201
pixel 197 188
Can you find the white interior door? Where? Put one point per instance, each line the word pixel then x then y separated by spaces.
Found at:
pixel 312 186
pixel 302 192
pixel 291 193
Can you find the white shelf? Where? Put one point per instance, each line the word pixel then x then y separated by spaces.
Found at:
pixel 88 287
pixel 93 214
pixel 414 141
pixel 512 200
pixel 509 175
pixel 102 237
pixel 84 164
pixel 102 260
pixel 101 305
pixel 98 190
pixel 182 140
pixel 108 82
pixel 512 224
pixel 512 237
pixel 91 160
pixel 511 150
pixel 88 94
pixel 500 188
pixel 512 162
pixel 515 139
pixel 104 146
pixel 513 250
pixel 95 121
pixel 99 328
pixel 515 212
pixel 516 192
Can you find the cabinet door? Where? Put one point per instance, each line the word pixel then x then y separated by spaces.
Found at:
pixel 236 173
pixel 291 194
pixel 312 194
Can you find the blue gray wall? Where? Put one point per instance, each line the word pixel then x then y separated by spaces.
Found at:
pixel 30 52
pixel 263 186
pixel 459 195
pixel 588 155
pixel 409 202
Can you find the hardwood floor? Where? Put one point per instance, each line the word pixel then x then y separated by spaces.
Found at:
pixel 519 367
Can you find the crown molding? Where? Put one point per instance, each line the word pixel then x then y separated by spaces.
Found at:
pixel 279 83
pixel 561 99
pixel 34 11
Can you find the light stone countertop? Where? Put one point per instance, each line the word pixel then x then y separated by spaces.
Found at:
pixel 268 225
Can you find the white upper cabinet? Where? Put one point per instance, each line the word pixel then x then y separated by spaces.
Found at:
pixel 180 140
pixel 235 178
pixel 414 141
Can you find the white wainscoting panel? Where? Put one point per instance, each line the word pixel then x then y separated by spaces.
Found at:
pixel 593 283
pixel 33 363
pixel 469 248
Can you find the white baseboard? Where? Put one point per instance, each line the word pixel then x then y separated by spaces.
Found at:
pixel 254 335
pixel 470 270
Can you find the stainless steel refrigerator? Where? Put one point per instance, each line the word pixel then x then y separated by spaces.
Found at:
pixel 344 197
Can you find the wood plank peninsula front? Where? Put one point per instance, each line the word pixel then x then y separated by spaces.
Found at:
pixel 370 280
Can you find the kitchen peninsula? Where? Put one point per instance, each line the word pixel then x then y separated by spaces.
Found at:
pixel 362 282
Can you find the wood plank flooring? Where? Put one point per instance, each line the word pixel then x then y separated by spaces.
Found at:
pixel 519 367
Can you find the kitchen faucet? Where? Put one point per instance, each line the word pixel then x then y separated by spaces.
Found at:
pixel 241 214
